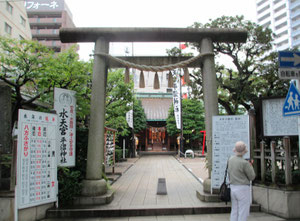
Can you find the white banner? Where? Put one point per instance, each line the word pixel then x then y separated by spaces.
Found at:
pixel 36 159
pixel 65 106
pixel 129 118
pixel 177 102
pixel 227 130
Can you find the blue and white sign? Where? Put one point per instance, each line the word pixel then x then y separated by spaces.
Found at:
pixel 289 65
pixel 292 102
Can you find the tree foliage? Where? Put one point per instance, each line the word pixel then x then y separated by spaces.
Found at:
pixel 255 70
pixel 192 118
pixel 33 70
pixel 119 98
pixel 253 73
pixel 139 116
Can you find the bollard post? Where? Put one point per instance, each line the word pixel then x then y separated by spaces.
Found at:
pixel 262 161
pixel 287 160
pixel 273 160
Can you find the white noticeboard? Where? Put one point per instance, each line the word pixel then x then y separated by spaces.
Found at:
pixel 177 102
pixel 274 123
pixel 227 130
pixel 36 159
pixel 65 106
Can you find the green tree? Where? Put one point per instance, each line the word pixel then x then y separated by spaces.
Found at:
pixel 22 64
pixel 254 74
pixel 139 116
pixel 119 98
pixel 33 70
pixel 254 71
pixel 192 119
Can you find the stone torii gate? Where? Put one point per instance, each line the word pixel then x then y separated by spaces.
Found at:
pixel 94 185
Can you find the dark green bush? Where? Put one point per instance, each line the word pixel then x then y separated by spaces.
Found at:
pixel 69 179
pixel 119 154
pixel 68 185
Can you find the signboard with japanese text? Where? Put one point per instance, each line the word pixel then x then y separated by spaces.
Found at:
pixel 227 130
pixel 65 107
pixel 109 148
pixel 289 65
pixel 44 5
pixel 274 123
pixel 36 158
pixel 177 102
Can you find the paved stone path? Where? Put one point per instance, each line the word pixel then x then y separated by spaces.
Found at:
pixel 137 187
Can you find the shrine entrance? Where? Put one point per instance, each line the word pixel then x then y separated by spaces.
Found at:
pixel 94 184
pixel 156 139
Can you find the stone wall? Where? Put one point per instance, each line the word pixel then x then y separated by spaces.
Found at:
pixel 278 202
pixel 28 214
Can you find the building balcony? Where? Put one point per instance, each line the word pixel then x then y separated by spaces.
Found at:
pixel 295 14
pixel 44 33
pixel 295 33
pixel 295 23
pixel 294 4
pixel 296 43
pixel 45 21
pixel 52 44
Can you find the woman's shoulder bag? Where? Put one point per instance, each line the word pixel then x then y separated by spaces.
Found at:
pixel 225 189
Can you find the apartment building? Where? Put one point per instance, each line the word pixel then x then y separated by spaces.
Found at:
pixel 283 17
pixel 13 20
pixel 46 17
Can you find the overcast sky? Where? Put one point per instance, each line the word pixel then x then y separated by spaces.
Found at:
pixel 154 13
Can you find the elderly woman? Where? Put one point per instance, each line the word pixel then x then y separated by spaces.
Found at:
pixel 240 173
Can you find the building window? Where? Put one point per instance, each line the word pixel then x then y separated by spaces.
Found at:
pixel 266 25
pixel 264 17
pixel 296 9
pixel 282 43
pixel 263 9
pixel 296 37
pixel 296 18
pixel 261 2
pixel 281 25
pixel 276 1
pixel 7 28
pixel 282 34
pixel 22 21
pixel 296 28
pixel 279 8
pixel 9 8
pixel 280 16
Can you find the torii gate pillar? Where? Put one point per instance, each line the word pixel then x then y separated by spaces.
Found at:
pixel 94 185
pixel 210 101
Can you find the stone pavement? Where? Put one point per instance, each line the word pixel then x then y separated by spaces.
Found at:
pixel 135 193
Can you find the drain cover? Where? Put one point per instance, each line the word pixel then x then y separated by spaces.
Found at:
pixel 161 187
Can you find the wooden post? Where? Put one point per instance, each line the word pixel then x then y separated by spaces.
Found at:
pixel 273 160
pixel 287 160
pixel 262 161
pixel 253 144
